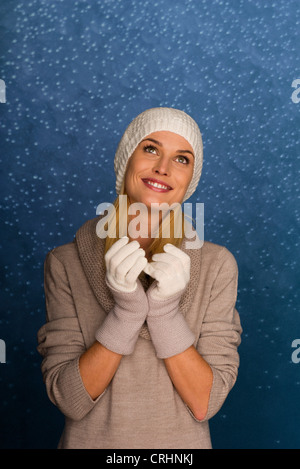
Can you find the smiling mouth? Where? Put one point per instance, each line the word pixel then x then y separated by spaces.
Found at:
pixel 156 185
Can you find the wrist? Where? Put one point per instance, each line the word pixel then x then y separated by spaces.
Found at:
pixel 157 295
pixel 170 335
pixel 121 327
pixel 168 328
pixel 117 288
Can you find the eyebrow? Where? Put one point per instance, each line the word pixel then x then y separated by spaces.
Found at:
pixel 161 145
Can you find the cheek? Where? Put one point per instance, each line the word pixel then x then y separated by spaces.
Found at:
pixel 131 175
pixel 184 179
pixel 128 180
pixel 135 168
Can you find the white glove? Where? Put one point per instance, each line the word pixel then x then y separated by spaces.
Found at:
pixel 171 269
pixel 120 329
pixel 124 262
pixel 168 328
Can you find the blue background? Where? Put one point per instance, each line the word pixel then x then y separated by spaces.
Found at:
pixel 76 74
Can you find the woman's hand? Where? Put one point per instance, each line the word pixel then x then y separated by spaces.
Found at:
pixel 124 262
pixel 171 269
pixel 120 329
pixel 169 331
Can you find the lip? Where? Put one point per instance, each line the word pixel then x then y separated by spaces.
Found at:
pixel 166 187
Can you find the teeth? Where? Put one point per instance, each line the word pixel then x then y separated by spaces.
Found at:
pixel 156 184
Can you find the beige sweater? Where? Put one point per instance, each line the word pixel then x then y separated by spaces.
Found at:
pixel 140 408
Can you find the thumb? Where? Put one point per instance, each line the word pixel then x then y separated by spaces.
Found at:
pixel 148 269
pixel 153 272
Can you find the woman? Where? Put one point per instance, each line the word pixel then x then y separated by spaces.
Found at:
pixel 140 343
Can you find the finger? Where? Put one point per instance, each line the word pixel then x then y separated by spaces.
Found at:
pixel 115 248
pixel 127 264
pixel 148 268
pixel 137 268
pixel 162 268
pixel 175 251
pixel 170 248
pixel 168 263
pixel 121 254
pixel 165 257
pixel 153 272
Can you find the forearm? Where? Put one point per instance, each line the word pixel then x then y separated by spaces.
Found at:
pixel 192 378
pixel 97 367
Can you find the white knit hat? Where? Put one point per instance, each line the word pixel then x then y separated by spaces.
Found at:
pixel 154 120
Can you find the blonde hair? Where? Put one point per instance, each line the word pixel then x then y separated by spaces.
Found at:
pixel 176 232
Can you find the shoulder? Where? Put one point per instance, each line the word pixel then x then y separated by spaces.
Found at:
pixel 68 252
pixel 63 252
pixel 218 257
pixel 206 252
pixel 65 255
pixel 217 251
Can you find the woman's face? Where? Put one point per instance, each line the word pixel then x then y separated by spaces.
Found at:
pixel 160 169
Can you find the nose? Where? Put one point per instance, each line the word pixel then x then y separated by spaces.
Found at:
pixel 162 167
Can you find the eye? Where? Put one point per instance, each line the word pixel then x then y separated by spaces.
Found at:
pixel 182 159
pixel 150 149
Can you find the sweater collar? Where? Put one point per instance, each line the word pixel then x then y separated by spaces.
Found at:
pixel 91 253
